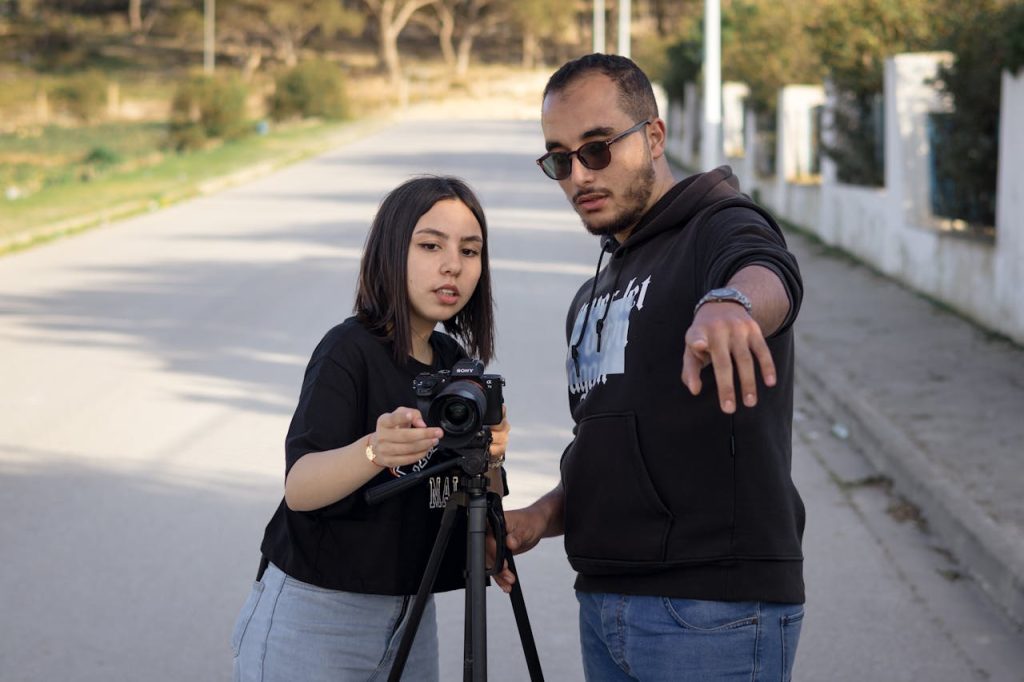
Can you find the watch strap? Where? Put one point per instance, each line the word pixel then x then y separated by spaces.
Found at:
pixel 724 294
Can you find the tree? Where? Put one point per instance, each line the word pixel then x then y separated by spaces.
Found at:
pixel 257 28
pixel 458 23
pixel 441 22
pixel 392 16
pixel 537 21
pixel 674 16
pixel 135 15
pixel 142 15
pixel 473 17
pixel 766 45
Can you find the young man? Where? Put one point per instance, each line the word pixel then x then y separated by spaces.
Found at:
pixel 676 501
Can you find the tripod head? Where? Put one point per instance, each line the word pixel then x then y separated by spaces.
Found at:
pixel 473 461
pixel 471 458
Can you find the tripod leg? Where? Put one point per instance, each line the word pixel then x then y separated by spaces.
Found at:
pixel 497 519
pixel 523 624
pixel 467 624
pixel 427 582
pixel 476 585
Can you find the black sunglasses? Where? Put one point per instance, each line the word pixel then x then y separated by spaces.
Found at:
pixel 593 155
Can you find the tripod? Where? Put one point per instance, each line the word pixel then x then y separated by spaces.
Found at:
pixel 481 508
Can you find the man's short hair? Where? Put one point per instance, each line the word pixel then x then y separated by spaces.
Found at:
pixel 636 97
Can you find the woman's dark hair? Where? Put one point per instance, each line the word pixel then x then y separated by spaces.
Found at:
pixel 382 301
pixel 636 96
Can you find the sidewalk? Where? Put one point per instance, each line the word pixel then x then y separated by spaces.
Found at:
pixel 935 403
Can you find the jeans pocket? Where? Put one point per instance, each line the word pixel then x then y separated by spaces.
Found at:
pixel 711 616
pixel 244 616
pixel 711 640
pixel 791 626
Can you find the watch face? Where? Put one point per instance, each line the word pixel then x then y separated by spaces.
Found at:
pixel 723 292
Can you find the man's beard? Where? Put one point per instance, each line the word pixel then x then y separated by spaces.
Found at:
pixel 635 197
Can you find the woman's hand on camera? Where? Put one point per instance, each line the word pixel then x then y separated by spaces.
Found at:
pixel 402 438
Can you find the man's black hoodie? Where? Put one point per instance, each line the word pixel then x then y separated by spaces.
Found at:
pixel 665 494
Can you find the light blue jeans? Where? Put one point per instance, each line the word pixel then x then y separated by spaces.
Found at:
pixel 289 631
pixel 652 639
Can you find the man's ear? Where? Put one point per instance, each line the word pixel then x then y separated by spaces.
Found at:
pixel 656 137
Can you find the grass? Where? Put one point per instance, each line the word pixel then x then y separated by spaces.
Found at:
pixel 143 179
pixel 39 157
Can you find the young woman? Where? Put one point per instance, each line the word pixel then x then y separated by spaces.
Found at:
pixel 333 594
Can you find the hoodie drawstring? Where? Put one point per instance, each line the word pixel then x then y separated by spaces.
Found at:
pixel 607 308
pixel 608 245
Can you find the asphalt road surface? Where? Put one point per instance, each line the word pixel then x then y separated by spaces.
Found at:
pixel 148 370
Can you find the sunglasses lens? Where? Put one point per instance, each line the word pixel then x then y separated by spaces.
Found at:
pixel 557 166
pixel 595 155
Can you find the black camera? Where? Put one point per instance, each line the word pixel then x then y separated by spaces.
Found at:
pixel 461 401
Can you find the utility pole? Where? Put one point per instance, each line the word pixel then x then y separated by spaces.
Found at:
pixel 711 134
pixel 599 26
pixel 209 31
pixel 625 27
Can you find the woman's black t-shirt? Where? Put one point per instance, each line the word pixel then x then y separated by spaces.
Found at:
pixel 383 548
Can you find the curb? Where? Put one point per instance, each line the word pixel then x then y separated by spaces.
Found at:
pixel 974 538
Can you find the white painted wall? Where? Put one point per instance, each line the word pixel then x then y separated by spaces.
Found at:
pixel 675 123
pixel 733 96
pixel 690 153
pixel 793 148
pixel 1007 313
pixel 910 97
pixel 793 144
pixel 892 228
pixel 948 267
pixel 745 167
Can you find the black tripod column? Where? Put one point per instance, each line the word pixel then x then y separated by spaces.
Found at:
pixel 475 659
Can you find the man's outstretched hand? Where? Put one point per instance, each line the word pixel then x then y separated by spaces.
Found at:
pixel 725 336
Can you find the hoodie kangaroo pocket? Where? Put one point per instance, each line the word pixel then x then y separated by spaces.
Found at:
pixel 614 519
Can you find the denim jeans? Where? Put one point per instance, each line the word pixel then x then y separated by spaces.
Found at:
pixel 653 639
pixel 289 631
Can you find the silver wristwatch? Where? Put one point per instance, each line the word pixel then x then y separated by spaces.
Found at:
pixel 724 294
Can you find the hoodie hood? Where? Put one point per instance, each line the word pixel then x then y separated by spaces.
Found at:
pixel 681 203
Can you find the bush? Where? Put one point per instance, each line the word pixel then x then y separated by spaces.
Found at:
pixel 102 156
pixel 966 142
pixel 651 55
pixel 683 63
pixel 83 95
pixel 858 127
pixel 205 108
pixel 313 88
pixel 854 39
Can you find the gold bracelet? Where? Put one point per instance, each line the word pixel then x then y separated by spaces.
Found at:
pixel 370 454
pixel 493 464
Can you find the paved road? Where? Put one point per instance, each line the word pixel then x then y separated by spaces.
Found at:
pixel 148 374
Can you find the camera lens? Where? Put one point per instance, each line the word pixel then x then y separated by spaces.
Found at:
pixel 458 409
pixel 456 416
pixel 455 412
